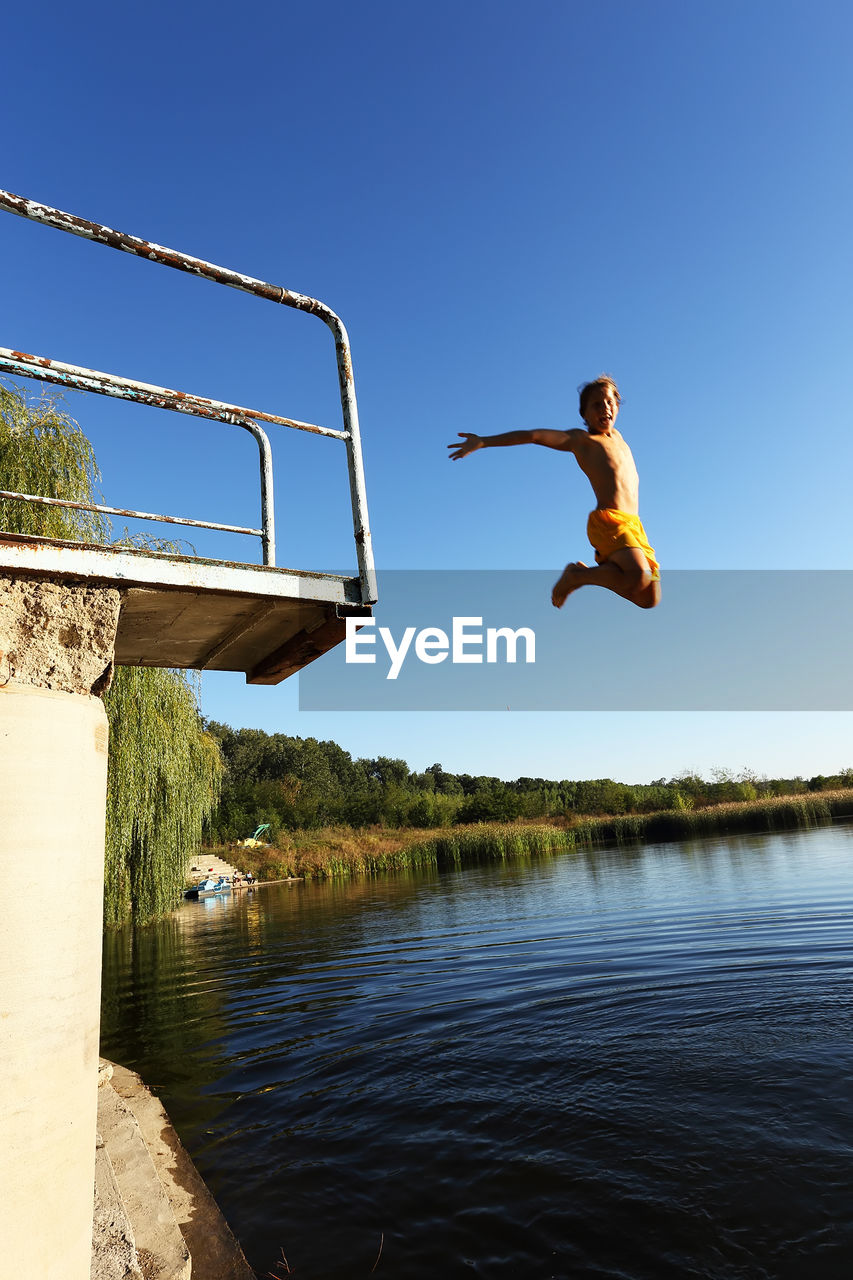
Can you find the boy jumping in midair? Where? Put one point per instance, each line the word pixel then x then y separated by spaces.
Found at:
pixel 625 563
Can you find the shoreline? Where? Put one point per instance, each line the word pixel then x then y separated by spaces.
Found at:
pixel 341 852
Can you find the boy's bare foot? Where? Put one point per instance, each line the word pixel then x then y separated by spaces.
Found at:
pixel 566 584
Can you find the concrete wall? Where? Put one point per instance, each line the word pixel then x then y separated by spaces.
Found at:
pixel 55 644
pixel 57 635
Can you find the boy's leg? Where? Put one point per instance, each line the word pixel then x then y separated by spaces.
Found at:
pixel 626 572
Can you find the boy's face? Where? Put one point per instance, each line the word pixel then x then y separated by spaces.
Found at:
pixel 601 410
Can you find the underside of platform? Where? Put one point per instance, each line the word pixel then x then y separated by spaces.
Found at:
pixel 181 611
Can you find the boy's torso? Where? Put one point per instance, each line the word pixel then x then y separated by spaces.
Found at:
pixel 608 464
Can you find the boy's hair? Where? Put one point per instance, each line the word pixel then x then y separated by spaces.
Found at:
pixel 588 388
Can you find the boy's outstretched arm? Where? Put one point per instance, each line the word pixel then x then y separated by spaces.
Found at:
pixel 564 440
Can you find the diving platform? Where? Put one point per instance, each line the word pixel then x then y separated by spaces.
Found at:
pixel 199 614
pixel 187 611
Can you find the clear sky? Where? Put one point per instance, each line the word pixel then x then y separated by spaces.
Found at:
pixel 501 200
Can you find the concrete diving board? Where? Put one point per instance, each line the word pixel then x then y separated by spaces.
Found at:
pixel 189 612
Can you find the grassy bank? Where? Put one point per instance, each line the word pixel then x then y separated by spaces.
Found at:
pixel 333 852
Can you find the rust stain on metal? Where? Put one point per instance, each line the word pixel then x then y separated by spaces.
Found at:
pixel 120 240
pixel 345 361
pixel 126 511
pixel 147 393
pixel 42 361
pixel 16 542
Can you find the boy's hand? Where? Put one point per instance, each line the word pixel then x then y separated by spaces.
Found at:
pixel 470 442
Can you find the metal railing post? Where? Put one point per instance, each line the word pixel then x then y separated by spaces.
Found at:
pixel 355 464
pixel 267 501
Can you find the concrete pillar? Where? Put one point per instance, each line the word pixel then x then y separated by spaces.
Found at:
pixel 55 645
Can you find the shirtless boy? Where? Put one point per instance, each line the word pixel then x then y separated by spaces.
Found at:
pixel 625 563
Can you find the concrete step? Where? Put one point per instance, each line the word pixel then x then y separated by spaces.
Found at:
pixel 215 1253
pixel 207 865
pixel 160 1250
pixel 114 1255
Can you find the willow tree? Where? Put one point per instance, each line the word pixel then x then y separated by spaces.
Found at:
pixel 43 451
pixel 163 781
pixel 164 770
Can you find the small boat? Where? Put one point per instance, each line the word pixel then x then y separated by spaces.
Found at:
pixel 207 888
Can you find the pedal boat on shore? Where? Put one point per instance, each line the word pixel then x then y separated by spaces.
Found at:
pixel 209 887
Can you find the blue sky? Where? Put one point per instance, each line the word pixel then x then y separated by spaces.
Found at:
pixel 500 200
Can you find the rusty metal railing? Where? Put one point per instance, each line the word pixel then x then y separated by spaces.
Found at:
pixel 22 364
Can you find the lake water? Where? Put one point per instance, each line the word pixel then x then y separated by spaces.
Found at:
pixel 621 1063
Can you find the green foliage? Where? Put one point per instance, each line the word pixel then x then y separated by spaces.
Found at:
pixel 164 771
pixel 163 781
pixel 493 804
pixel 44 452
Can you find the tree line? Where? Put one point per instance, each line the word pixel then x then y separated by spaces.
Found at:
pixel 302 784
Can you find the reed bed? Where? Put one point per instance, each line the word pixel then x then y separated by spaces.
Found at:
pixel 775 813
pixel 335 852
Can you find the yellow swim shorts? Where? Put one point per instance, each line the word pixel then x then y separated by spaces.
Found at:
pixel 608 530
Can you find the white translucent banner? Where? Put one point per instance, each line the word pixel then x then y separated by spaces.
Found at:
pixel 480 640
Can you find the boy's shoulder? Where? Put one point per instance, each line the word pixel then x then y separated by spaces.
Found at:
pixel 577 435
